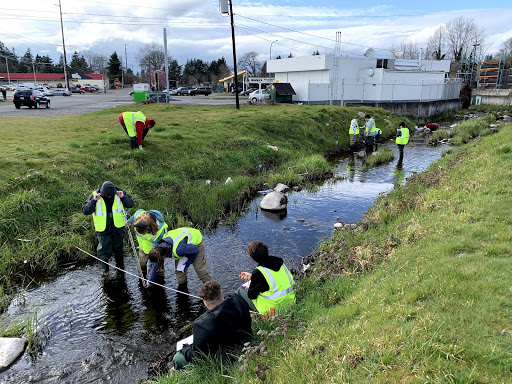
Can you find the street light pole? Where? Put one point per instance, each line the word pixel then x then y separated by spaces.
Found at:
pixel 270 55
pixel 223 5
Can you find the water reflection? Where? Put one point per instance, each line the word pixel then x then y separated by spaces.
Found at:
pixel 119 315
pixel 275 216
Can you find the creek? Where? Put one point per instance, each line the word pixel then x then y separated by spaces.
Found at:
pixel 99 329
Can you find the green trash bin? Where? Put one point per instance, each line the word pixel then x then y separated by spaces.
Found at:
pixel 140 96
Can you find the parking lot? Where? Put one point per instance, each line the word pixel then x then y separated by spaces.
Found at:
pixel 90 102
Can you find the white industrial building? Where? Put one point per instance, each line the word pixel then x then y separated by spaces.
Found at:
pixel 328 79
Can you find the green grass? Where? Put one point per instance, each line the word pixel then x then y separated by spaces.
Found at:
pixel 378 158
pixel 420 295
pixel 50 166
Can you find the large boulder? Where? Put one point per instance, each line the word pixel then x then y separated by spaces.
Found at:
pixel 274 201
pixel 281 188
pixel 10 349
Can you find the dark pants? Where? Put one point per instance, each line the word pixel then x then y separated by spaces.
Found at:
pixel 401 157
pixel 108 244
pixel 133 140
pixel 368 141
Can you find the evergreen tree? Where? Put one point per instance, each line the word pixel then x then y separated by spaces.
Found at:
pixel 25 65
pixel 174 72
pixel 114 67
pixel 78 64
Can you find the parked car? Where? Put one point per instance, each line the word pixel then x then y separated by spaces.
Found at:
pixel 181 91
pixel 248 91
pixel 91 86
pixel 47 92
pixel 30 98
pixel 200 91
pixel 76 90
pixel 59 85
pixel 61 92
pixel 89 89
pixel 257 96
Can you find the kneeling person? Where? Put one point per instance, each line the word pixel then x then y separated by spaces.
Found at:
pixel 271 283
pixel 225 325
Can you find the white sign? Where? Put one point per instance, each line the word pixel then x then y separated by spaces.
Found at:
pixel 268 80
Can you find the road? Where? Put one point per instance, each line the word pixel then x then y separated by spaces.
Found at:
pixel 78 104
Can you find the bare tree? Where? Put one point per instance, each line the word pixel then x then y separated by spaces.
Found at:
pixel 97 63
pixel 435 45
pixel 151 57
pixel 406 49
pixel 461 36
pixel 250 63
pixel 506 49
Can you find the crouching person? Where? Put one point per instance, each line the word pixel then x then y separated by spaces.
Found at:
pixel 271 283
pixel 186 247
pixel 225 325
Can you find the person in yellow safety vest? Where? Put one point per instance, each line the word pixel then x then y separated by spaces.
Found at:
pixel 353 132
pixel 271 283
pixel 370 131
pixel 150 228
pixel 107 206
pixel 402 138
pixel 136 126
pixel 186 247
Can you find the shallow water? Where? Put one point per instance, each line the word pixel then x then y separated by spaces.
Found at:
pixel 107 329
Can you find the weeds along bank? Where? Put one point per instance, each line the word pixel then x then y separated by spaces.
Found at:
pixel 420 295
pixel 50 166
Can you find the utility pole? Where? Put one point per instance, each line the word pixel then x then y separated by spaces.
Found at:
pixel 64 49
pixel 166 63
pixel 234 53
pixel 125 60
pixel 8 74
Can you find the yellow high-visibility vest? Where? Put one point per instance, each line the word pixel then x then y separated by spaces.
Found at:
pixel 404 137
pixel 130 119
pixel 353 124
pixel 193 237
pixel 146 241
pixel 100 214
pixel 280 291
pixel 373 130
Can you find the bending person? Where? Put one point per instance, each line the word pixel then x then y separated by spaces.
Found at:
pixel 271 283
pixel 136 126
pixel 150 228
pixel 185 246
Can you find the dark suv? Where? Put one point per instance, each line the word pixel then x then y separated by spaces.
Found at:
pixel 30 98
pixel 200 91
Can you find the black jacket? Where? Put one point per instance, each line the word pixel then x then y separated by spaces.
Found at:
pixel 258 282
pixel 90 205
pixel 226 326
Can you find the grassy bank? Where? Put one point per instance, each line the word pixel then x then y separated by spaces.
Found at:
pixel 50 166
pixel 420 294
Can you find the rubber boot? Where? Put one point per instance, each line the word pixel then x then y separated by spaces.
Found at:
pixel 103 265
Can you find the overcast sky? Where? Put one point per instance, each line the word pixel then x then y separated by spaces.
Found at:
pixel 195 29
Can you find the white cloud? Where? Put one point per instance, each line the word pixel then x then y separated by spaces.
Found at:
pixel 196 30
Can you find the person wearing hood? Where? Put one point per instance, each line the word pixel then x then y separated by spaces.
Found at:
pixel 225 325
pixel 186 247
pixel 271 283
pixel 136 126
pixel 107 205
pixel 150 228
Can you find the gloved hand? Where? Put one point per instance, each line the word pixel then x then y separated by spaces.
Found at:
pixel 187 264
pixel 140 147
